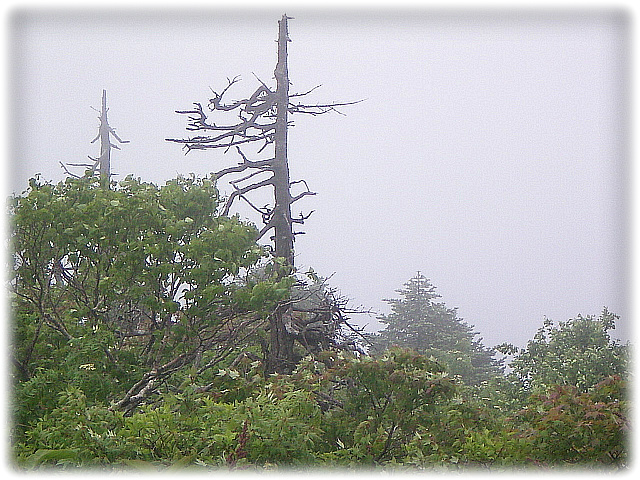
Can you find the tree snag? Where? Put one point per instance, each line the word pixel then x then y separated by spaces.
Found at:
pixel 103 162
pixel 262 118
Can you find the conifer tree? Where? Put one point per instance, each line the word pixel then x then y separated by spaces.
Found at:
pixel 420 322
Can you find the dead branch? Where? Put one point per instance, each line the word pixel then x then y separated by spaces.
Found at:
pixel 268 226
pixel 246 177
pixel 302 218
pixel 266 212
pixel 319 109
pixel 305 93
pixel 242 191
pixel 260 104
pixel 300 195
pixel 215 103
pixel 223 340
pixel 71 174
pixel 113 132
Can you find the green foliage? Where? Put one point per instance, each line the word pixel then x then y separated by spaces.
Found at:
pixel 95 247
pixel 382 401
pixel 139 316
pixel 108 284
pixel 73 432
pixel 268 428
pixel 565 426
pixel 263 296
pixel 419 322
pixel 400 411
pixel 579 352
pixel 559 428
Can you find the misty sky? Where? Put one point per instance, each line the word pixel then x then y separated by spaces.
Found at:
pixel 490 153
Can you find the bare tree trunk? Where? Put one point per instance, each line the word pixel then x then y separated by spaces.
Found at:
pixel 105 145
pixel 281 182
pixel 281 345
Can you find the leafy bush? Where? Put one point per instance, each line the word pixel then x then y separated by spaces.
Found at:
pixel 566 426
pixel 110 285
pixel 579 352
pixel 375 405
pixel 266 429
pixel 73 433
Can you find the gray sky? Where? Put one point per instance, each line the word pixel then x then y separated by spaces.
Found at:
pixel 490 153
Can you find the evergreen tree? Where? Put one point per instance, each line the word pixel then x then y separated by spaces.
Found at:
pixel 420 322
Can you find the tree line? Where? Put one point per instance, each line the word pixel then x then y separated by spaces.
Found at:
pixel 141 339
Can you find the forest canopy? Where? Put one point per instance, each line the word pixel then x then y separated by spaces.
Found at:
pixel 140 339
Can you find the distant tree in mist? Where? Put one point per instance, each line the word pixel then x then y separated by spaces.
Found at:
pixel 420 322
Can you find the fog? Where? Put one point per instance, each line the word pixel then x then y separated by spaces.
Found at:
pixel 490 152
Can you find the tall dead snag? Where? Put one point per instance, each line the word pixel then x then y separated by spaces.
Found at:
pixel 104 134
pixel 103 162
pixel 281 218
pixel 263 119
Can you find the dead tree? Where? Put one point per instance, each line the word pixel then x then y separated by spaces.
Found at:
pixel 262 119
pixel 103 163
pixel 104 134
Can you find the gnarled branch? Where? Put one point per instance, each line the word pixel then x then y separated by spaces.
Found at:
pixel 242 191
